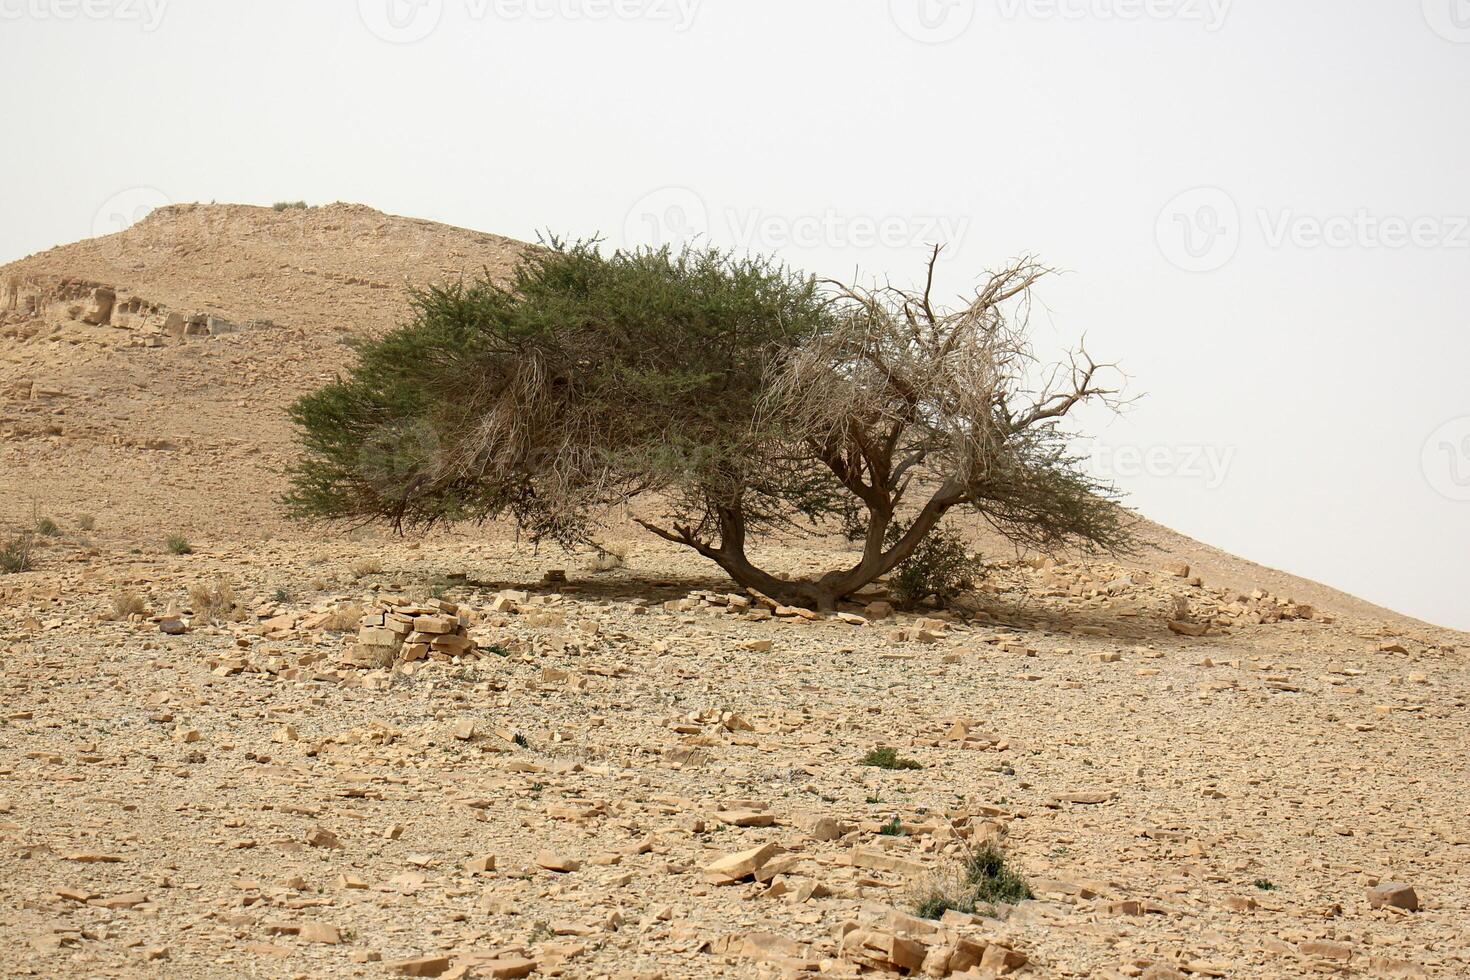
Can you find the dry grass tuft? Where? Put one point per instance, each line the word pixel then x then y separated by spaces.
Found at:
pixel 126 602
pixel 364 567
pixel 17 553
pixel 609 558
pixel 215 602
pixel 345 618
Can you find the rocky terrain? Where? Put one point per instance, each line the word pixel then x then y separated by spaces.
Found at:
pixel 236 746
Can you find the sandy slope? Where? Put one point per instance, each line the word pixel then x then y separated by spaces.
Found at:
pixel 240 800
pixel 318 275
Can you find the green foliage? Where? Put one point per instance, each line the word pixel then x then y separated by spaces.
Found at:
pixel 941 568
pixel 1265 884
pixel 888 758
pixel 288 205
pixel 47 527
pixel 993 880
pixel 744 396
pixel 16 553
pixel 893 828
pixel 177 544
pixel 589 378
pixel 982 881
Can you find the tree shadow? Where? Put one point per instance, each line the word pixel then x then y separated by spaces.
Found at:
pixel 614 586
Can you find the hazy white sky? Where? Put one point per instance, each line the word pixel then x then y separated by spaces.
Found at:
pixel 1263 206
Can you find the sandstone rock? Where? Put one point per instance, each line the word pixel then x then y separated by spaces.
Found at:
pixel 733 867
pixel 1326 950
pixel 883 951
pixel 1395 894
pixel 320 932
pixel 423 966
pixel 103 300
pixel 321 837
pixel 552 861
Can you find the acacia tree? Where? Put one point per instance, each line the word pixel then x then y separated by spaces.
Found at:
pixel 734 398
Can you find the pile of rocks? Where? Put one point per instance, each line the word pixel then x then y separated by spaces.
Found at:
pixel 397 631
pixel 1260 607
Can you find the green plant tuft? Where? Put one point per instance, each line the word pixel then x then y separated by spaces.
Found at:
pixel 16 553
pixel 982 881
pixel 888 758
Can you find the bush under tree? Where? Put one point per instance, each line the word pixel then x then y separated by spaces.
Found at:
pixel 732 397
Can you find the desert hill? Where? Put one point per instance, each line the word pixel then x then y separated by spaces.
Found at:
pixel 236 746
pixel 224 314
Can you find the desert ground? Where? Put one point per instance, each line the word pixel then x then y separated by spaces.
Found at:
pixel 530 763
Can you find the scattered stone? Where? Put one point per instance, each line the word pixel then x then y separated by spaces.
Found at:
pixel 552 861
pixel 1394 894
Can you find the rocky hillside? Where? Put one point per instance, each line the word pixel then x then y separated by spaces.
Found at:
pixel 235 746
pixel 144 374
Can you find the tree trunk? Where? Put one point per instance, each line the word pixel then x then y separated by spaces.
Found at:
pixel 824 593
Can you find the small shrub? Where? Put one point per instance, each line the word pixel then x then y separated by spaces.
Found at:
pixel 86 522
pixel 215 602
pixel 609 558
pixel 1179 610
pixel 977 885
pixel 1265 884
pixel 127 603
pixel 893 828
pixel 364 567
pixel 888 758
pixel 941 568
pixel 16 553
pixel 993 880
pixel 46 527
pixel 288 206
pixel 522 741
pixel 177 544
pixel 281 597
pixel 344 619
